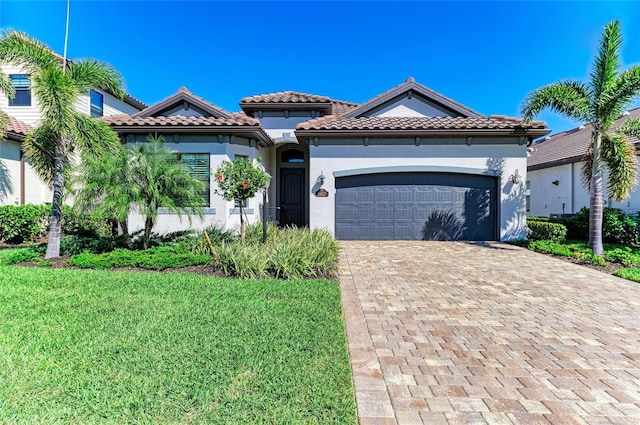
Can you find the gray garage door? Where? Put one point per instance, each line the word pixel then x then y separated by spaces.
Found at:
pixel 427 206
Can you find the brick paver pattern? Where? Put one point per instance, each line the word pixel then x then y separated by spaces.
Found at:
pixel 462 333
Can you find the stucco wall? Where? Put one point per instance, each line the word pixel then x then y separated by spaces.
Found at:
pixel 9 172
pixel 502 160
pixel 414 107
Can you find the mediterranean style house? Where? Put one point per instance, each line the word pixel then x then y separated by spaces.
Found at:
pixel 408 164
pixel 554 182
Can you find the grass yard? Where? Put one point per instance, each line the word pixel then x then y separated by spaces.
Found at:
pixel 85 346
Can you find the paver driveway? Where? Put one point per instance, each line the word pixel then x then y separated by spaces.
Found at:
pixel 444 333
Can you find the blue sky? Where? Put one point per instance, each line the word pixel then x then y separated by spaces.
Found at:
pixel 486 55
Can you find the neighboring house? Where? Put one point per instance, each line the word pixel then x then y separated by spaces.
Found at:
pixel 554 173
pixel 18 182
pixel 408 164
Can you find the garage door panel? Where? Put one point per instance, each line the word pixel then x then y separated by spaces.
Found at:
pixel 416 206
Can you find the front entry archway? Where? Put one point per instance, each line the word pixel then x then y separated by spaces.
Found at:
pixel 293 198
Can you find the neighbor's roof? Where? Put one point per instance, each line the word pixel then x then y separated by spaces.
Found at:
pixel 17 129
pixel 293 98
pixel 568 146
pixel 421 124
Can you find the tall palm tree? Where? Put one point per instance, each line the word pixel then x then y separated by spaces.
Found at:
pixel 63 132
pixel 599 102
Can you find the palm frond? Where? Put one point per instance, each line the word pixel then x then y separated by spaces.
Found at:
pixel 631 128
pixel 568 98
pixel 89 74
pixel 619 95
pixel 18 47
pixel 93 137
pixel 39 148
pixel 586 171
pixel 56 94
pixel 620 158
pixel 4 124
pixel 607 63
pixel 5 85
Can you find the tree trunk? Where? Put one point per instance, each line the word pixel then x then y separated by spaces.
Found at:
pixel 243 225
pixel 124 226
pixel 596 200
pixel 148 226
pixel 53 245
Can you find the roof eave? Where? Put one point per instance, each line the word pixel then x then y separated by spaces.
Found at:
pixel 12 135
pixel 555 163
pixel 258 133
pixel 529 133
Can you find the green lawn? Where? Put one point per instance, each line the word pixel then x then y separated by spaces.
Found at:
pixel 84 346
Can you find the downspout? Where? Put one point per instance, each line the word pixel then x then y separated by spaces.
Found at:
pixel 22 179
pixel 573 188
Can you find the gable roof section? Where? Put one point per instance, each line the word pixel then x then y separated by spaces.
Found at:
pixel 182 97
pixel 295 100
pixel 408 88
pixel 420 126
pixel 237 123
pixel 17 130
pixel 568 146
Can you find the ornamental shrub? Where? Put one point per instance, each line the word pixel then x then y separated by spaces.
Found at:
pixel 23 223
pixel 617 227
pixel 239 180
pixel 542 230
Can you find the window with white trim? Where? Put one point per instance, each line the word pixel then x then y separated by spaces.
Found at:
pixel 96 100
pixel 22 85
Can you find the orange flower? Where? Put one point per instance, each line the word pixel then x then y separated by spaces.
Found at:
pixel 219 177
pixel 245 185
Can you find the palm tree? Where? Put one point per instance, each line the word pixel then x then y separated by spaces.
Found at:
pixel 63 132
pixel 144 176
pixel 600 102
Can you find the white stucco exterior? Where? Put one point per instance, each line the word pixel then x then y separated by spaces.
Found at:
pixel 410 107
pixel 502 160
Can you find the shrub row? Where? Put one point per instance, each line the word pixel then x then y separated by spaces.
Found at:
pixel 25 223
pixel 617 227
pixel 157 258
pixel 555 248
pixel 544 230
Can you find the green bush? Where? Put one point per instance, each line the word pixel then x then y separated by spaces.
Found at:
pixel 623 255
pixel 617 227
pixel 157 258
pixel 290 253
pixel 75 223
pixel 73 245
pixel 551 247
pixel 628 273
pixel 541 230
pixel 19 256
pixel 23 223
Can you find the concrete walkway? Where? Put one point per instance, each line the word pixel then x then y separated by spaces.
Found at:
pixel 457 333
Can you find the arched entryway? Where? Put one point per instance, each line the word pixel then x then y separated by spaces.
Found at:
pixel 292 193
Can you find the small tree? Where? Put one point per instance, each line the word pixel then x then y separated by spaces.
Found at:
pixel 239 180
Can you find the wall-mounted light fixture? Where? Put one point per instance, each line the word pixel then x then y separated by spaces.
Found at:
pixel 321 178
pixel 515 178
pixel 556 182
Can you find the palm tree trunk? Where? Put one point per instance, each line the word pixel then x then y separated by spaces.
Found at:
pixel 124 226
pixel 148 226
pixel 596 200
pixel 53 245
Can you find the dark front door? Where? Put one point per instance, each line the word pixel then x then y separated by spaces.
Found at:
pixel 292 197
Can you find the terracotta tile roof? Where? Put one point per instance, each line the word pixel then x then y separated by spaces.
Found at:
pixel 236 119
pixel 17 127
pixel 340 107
pixel 288 96
pixel 568 146
pixel 417 123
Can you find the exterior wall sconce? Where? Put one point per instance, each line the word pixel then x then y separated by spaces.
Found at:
pixel 321 178
pixel 556 182
pixel 515 178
